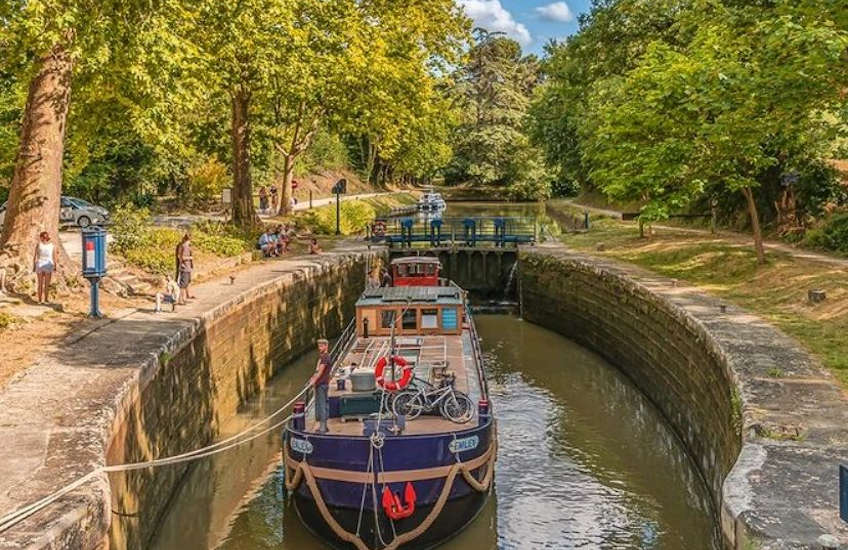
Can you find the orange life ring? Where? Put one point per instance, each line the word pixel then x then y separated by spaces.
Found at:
pixel 395 385
pixel 379 229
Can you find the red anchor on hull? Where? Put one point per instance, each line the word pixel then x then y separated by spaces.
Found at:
pixel 392 505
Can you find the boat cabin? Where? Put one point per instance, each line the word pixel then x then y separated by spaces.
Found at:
pixel 422 310
pixel 416 271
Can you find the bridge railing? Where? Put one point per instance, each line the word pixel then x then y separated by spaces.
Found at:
pixel 477 231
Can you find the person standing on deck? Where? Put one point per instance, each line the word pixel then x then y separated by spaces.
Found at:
pixel 321 382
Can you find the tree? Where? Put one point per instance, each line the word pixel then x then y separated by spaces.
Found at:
pixel 716 115
pixel 308 81
pixel 241 42
pixel 613 37
pixel 494 90
pixel 409 47
pixel 50 46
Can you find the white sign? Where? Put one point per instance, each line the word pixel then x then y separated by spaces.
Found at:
pixel 465 444
pixel 301 446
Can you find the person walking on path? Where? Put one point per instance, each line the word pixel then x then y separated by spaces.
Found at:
pixel 44 263
pixel 263 199
pixel 274 201
pixel 186 266
pixel 321 382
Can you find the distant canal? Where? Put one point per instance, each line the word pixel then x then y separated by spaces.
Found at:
pixel 585 461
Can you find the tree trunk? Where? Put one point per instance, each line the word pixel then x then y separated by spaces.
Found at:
pixel 288 177
pixel 755 225
pixel 34 197
pixel 244 214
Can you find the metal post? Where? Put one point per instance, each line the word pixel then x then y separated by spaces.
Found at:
pixel 338 214
pixel 95 299
pixel 310 199
pixel 843 492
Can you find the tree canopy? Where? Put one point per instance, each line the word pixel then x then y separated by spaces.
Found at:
pixel 699 98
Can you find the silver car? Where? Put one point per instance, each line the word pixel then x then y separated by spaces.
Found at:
pixel 76 212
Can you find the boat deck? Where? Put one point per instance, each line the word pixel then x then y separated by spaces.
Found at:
pixel 432 357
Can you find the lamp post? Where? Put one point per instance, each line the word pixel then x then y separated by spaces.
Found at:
pixel 339 188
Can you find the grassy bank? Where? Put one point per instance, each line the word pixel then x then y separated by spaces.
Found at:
pixel 728 269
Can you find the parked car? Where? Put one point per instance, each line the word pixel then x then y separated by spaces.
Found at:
pixel 76 212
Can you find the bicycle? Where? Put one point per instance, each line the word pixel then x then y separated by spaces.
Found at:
pixel 453 405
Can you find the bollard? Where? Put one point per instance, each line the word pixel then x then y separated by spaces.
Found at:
pixel 298 421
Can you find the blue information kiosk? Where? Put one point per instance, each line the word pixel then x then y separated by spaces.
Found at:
pixel 94 264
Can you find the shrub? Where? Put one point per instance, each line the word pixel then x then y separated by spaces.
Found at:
pixel 355 215
pixel 7 320
pixel 219 245
pixel 206 180
pixel 833 235
pixel 130 225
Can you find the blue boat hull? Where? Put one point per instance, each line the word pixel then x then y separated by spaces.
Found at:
pixel 344 499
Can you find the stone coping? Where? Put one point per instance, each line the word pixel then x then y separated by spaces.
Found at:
pixel 58 417
pixel 782 491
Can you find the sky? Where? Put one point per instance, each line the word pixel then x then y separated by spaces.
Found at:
pixel 532 22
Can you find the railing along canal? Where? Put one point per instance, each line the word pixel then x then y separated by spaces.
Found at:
pixel 471 232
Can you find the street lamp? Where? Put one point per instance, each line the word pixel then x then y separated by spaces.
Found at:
pixel 339 188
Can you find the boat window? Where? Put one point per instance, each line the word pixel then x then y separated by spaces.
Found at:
pixel 387 318
pixel 449 318
pixel 429 318
pixel 410 319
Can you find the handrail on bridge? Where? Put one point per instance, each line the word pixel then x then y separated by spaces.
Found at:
pixel 471 232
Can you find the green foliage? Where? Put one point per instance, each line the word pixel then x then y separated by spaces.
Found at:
pixel 327 152
pixel 7 320
pixel 129 228
pixel 491 144
pixel 355 216
pixel 206 181
pixel 696 99
pixel 833 235
pixel 152 248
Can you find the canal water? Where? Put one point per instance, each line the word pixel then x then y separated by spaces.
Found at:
pixel 585 461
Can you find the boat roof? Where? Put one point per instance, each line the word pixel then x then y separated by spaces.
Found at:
pixel 392 295
pixel 417 260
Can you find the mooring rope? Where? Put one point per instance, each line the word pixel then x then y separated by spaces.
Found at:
pixel 302 471
pixel 13 518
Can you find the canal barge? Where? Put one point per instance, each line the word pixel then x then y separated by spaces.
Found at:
pixel 432 201
pixel 409 458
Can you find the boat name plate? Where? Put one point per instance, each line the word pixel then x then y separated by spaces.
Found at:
pixel 301 446
pixel 464 444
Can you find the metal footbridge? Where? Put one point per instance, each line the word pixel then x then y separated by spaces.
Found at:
pixel 498 232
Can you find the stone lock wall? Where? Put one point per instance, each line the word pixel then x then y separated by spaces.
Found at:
pixel 666 356
pixel 204 376
pixel 767 446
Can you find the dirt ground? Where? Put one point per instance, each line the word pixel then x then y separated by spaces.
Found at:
pixel 31 330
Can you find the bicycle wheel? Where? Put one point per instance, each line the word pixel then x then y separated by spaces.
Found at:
pixel 458 408
pixel 408 404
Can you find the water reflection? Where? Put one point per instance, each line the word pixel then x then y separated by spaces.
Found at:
pixel 584 462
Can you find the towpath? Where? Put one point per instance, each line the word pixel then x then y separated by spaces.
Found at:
pixel 55 414
pixel 736 239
